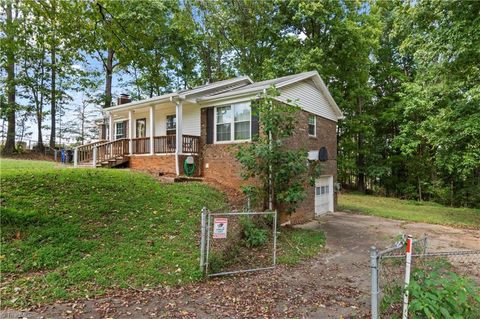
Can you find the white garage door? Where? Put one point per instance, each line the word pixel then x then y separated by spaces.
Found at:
pixel 323 195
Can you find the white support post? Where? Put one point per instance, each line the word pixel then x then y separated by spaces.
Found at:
pixel 94 162
pixel 179 135
pixel 130 132
pixel 202 239
pixel 152 129
pixel 111 127
pixel 408 265
pixel 75 156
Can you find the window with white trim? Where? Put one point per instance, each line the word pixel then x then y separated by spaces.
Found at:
pixel 119 130
pixel 233 122
pixel 312 125
pixel 171 124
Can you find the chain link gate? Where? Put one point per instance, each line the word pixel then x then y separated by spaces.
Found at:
pixel 237 242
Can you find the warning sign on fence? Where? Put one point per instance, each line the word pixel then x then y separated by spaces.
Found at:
pixel 220 228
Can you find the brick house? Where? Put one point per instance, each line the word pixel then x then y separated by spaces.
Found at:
pixel 202 124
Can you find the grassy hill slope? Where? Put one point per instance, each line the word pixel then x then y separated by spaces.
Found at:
pixel 69 233
pixel 74 232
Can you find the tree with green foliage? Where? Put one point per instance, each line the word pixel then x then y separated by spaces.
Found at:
pixel 282 172
pixel 9 46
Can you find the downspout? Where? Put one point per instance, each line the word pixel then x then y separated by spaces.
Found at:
pixel 270 182
pixel 179 132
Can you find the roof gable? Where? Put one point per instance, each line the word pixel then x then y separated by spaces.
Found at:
pixel 289 83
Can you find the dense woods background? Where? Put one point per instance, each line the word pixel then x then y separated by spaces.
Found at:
pixel 405 73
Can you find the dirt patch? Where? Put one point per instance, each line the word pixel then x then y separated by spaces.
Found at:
pixel 29 155
pixel 330 285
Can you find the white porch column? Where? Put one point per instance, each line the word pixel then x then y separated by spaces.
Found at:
pixel 152 129
pixel 179 135
pixel 111 127
pixel 130 131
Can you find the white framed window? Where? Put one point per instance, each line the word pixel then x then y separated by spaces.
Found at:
pixel 141 127
pixel 312 125
pixel 233 123
pixel 171 124
pixel 119 130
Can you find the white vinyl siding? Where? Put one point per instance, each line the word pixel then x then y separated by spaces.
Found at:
pixel 309 98
pixel 191 119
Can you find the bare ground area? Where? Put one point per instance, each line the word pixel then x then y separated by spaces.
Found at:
pixel 334 284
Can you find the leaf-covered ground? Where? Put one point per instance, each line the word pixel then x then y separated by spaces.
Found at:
pixel 427 212
pixel 80 233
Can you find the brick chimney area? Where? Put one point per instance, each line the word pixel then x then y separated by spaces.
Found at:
pixel 123 99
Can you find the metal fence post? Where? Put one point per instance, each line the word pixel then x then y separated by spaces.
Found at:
pixel 208 244
pixel 374 269
pixel 202 239
pixel 425 243
pixel 408 264
pixel 275 239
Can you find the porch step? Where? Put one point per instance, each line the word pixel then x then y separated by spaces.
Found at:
pixel 113 162
pixel 184 179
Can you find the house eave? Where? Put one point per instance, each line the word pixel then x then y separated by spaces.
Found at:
pixel 142 103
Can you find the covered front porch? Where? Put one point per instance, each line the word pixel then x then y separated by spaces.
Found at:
pixel 168 128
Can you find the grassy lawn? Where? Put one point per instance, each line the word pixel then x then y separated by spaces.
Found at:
pixel 7 164
pixel 427 212
pixel 73 233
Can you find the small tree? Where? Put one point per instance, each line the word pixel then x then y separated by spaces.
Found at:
pixel 282 172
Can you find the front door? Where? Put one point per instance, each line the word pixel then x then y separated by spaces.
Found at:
pixel 323 195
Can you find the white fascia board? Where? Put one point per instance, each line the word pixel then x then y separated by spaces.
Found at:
pixel 246 96
pixel 256 89
pixel 322 87
pixel 216 85
pixel 142 103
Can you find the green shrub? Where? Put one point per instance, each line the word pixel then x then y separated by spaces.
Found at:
pixel 253 234
pixel 436 294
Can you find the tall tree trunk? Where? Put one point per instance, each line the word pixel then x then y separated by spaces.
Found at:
pixel 40 147
pixel 10 142
pixel 360 163
pixel 53 101
pixel 108 80
pixel 360 152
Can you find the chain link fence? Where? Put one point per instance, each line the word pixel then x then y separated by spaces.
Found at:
pixel 237 241
pixel 388 269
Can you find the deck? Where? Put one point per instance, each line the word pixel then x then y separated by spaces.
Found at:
pixel 115 153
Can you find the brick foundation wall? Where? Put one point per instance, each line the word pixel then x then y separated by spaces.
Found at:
pixel 154 164
pixel 165 164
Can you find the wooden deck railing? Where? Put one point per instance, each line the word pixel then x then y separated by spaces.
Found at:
pixel 141 145
pixel 164 144
pixel 85 152
pixel 111 150
pixel 103 151
pixel 190 144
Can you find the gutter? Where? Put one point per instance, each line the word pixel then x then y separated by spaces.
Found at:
pixel 159 99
